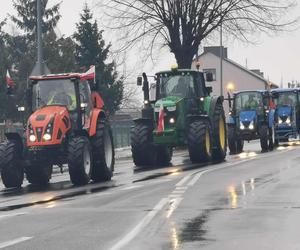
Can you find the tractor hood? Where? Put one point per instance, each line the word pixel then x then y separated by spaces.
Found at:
pixel 169 101
pixel 284 111
pixel 48 126
pixel 246 117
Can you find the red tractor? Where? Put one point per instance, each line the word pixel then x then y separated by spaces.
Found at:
pixel 66 125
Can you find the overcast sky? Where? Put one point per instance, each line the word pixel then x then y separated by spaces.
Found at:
pixel 278 56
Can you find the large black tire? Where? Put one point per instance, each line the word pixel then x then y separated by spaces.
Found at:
pixel 164 155
pixel 272 143
pixel 144 152
pixel 39 174
pixel 219 133
pixel 12 171
pixel 264 138
pixel 199 141
pixel 103 153
pixel 239 145
pixel 80 160
pixel 232 143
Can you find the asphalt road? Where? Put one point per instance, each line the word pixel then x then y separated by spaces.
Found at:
pixel 251 201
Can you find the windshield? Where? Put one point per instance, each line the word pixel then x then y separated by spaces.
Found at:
pixel 286 99
pixel 177 85
pixel 248 101
pixel 54 92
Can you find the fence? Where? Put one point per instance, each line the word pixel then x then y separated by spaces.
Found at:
pixel 121 131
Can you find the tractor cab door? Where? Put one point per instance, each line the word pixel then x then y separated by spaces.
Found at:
pixel 86 104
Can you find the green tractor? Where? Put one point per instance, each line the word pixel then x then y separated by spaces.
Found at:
pixel 178 112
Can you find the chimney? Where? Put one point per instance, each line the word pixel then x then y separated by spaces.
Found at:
pixel 216 51
pixel 258 72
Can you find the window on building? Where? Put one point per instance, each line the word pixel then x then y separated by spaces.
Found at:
pixel 213 72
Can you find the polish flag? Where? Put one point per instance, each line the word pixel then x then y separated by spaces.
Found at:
pixel 9 81
pixel 90 74
pixel 161 120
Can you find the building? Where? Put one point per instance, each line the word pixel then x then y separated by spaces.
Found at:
pixel 235 76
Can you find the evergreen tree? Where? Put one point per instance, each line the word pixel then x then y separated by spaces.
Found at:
pixel 26 18
pixel 91 50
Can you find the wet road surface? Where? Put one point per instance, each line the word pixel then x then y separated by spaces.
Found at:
pixel 251 201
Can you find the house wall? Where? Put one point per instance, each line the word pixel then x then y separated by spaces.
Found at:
pixel 232 75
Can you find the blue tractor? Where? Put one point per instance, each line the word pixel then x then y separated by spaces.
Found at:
pixel 287 114
pixel 251 118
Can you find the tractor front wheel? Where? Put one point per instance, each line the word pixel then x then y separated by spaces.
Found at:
pixel 12 172
pixel 264 138
pixel 144 152
pixel 80 160
pixel 199 141
pixel 164 155
pixel 103 153
pixel 39 174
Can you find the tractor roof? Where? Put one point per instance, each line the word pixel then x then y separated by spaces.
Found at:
pixel 245 91
pixel 285 90
pixel 80 76
pixel 178 70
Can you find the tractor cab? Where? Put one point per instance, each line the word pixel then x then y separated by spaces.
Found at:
pixel 57 101
pixel 287 114
pixel 250 119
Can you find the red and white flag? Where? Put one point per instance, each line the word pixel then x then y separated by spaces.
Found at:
pixel 161 119
pixel 90 74
pixel 9 81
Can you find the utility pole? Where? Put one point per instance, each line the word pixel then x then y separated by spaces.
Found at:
pixel 40 66
pixel 40 59
pixel 221 55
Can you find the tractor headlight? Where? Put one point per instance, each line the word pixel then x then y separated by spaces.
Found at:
pixel 251 125
pixel 242 127
pixel 171 109
pixel 280 120
pixel 32 138
pixel 47 137
pixel 172 120
pixel 288 120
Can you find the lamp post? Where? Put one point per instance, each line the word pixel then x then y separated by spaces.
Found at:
pixel 221 56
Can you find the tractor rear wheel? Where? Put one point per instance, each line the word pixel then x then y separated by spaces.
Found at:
pixel 199 141
pixel 164 155
pixel 79 160
pixel 219 133
pixel 39 174
pixel 144 152
pixel 12 172
pixel 264 138
pixel 232 143
pixel 272 143
pixel 103 153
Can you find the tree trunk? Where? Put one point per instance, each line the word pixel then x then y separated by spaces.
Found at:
pixel 184 57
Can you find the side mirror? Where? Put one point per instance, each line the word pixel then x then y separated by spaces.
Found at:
pixel 209 77
pixel 21 109
pixel 209 89
pixel 139 81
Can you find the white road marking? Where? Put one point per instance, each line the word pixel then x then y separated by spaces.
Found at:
pixel 132 187
pixel 139 227
pixel 14 242
pixel 174 204
pixel 181 188
pixel 178 191
pixel 174 196
pixel 4 216
pixel 183 180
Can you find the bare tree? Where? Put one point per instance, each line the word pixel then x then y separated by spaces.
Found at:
pixel 183 24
